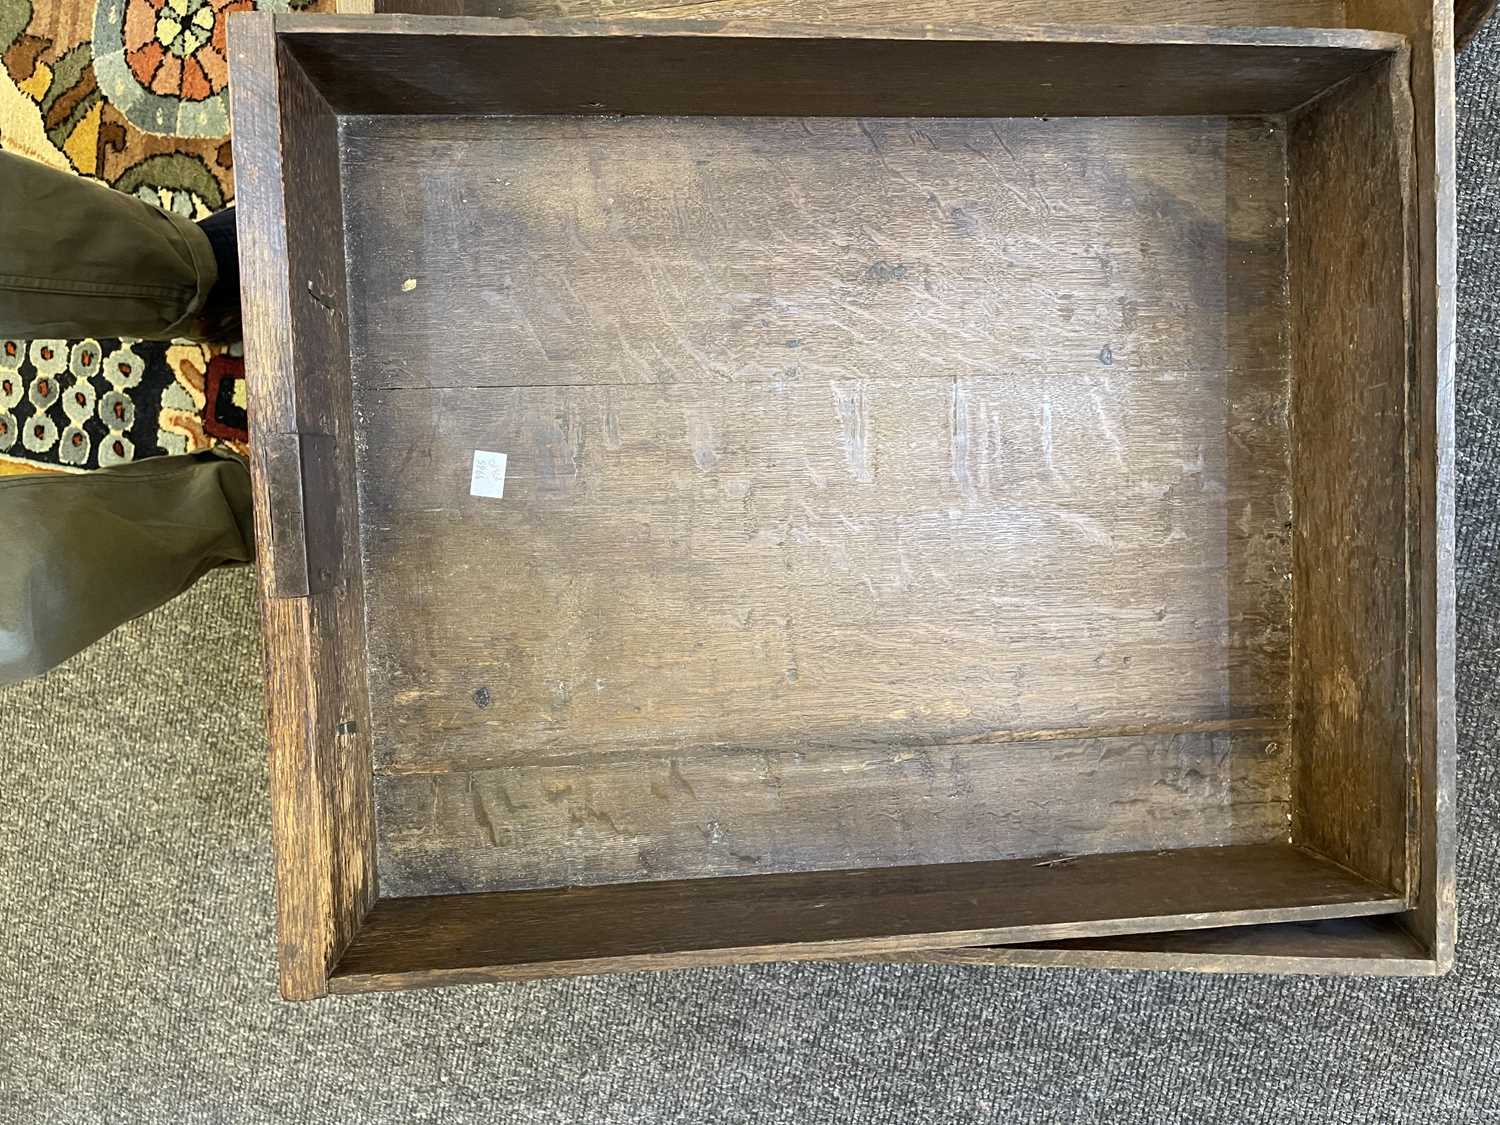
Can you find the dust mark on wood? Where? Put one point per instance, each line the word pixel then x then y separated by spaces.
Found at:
pixel 912 743
pixel 882 272
pixel 1203 726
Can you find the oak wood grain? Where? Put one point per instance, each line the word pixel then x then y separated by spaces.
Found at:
pixel 1350 335
pixel 685 399
pixel 1428 24
pixel 677 565
pixel 451 939
pixel 1469 18
pixel 712 812
pixel 457 66
pixel 770 544
pixel 631 250
pixel 292 281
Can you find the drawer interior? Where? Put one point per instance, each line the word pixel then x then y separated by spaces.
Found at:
pixel 879 491
pixel 951 497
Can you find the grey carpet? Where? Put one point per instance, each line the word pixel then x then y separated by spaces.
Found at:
pixel 137 981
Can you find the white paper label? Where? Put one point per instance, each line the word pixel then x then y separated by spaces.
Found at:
pixel 488 475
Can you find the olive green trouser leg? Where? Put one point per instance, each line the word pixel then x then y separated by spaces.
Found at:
pixel 83 553
pixel 79 259
pixel 86 553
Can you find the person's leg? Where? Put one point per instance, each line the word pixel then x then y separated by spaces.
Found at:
pixel 78 259
pixel 220 316
pixel 90 551
pixel 87 552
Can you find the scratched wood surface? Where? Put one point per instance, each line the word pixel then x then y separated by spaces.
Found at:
pixel 1430 606
pixel 768 563
pixel 712 812
pixel 1351 673
pixel 642 250
pixel 840 437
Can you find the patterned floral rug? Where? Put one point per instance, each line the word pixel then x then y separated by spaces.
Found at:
pixel 133 93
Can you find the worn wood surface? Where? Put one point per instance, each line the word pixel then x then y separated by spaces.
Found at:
pixel 449 939
pixel 290 222
pixel 1469 15
pixel 1351 338
pixel 1369 946
pixel 712 67
pixel 712 812
pixel 283 550
pixel 953 429
pixel 1433 916
pixel 1433 728
pixel 1231 13
pixel 763 567
pixel 807 250
pixel 963 500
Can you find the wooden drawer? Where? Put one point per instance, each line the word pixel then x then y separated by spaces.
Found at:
pixel 976 494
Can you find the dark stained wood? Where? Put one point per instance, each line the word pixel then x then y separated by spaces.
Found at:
pixel 1428 556
pixel 452 939
pixel 1433 726
pixel 712 812
pixel 300 401
pixel 847 561
pixel 1469 18
pixel 283 552
pixel 643 250
pixel 1370 946
pixel 919 13
pixel 712 68
pixel 785 593
pixel 1350 346
pixel 637 487
pixel 303 550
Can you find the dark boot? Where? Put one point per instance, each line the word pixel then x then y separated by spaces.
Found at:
pixel 220 318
